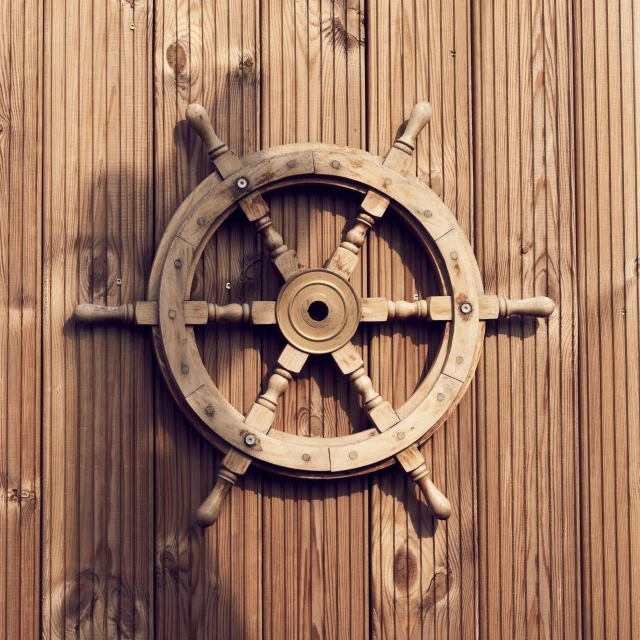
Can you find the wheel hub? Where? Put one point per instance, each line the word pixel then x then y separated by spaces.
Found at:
pixel 317 311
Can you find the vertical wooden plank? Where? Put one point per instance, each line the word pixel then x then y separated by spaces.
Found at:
pixel 524 215
pixel 607 143
pixel 97 419
pixel 209 53
pixel 5 178
pixel 20 319
pixel 174 533
pixel 419 51
pixel 466 467
pixel 54 525
pixel 141 86
pixel 630 139
pixel 312 76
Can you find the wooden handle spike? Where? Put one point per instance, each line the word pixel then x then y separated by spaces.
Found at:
pixel 209 510
pixel 199 121
pixel 437 501
pixel 541 307
pixel 233 465
pixel 420 116
pixel 99 314
pixel 413 463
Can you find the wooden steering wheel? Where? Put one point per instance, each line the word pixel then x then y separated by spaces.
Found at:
pixel 317 311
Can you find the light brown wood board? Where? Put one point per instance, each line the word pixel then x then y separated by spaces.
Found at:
pixel 527 432
pixel 98 414
pixel 20 317
pixel 421 573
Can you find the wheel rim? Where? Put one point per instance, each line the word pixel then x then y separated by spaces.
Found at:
pixel 184 370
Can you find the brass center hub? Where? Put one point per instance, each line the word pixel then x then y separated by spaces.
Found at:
pixel 317 311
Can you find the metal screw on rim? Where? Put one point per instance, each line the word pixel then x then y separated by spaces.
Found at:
pixel 466 308
pixel 242 183
pixel 249 440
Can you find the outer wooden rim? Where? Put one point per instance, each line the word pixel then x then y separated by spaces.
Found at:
pixel 184 240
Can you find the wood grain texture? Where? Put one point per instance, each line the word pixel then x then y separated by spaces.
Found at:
pixel 100 476
pixel 421 572
pixel 97 410
pixel 316 536
pixel 20 318
pixel 607 72
pixel 527 436
pixel 209 583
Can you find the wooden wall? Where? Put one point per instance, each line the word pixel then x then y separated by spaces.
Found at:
pixel 98 414
pixel 527 407
pixel 20 317
pixel 535 146
pixel 607 113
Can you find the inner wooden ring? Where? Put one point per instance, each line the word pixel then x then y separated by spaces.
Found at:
pixel 210 412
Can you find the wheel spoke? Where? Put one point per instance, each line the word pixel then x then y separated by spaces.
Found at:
pixel 441 308
pixel 257 312
pixel 263 312
pixel 383 310
pixel 263 411
pixel 380 412
pixel 345 258
pixel 285 260
pixel 256 210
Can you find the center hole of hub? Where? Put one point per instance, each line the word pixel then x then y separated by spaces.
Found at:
pixel 318 310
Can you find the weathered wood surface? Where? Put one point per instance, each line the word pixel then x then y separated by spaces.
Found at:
pixel 95 156
pixel 607 133
pixel 98 419
pixel 316 535
pixel 422 574
pixel 20 317
pixel 527 434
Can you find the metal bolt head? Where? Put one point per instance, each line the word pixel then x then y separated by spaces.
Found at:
pixel 209 410
pixel 428 213
pixel 306 457
pixel 459 359
pixel 400 435
pixel 466 308
pixel 454 255
pixel 291 164
pixel 172 314
pixel 201 221
pixel 228 285
pixel 119 281
pixel 353 455
pixel 440 397
pixel 185 369
pixel 132 26
pixel 242 183
pixel 416 297
pixel 177 263
pixel 249 440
